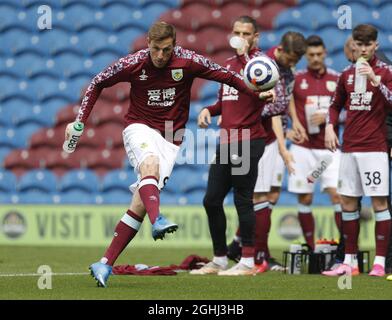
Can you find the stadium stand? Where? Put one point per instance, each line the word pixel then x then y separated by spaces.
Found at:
pixel 43 72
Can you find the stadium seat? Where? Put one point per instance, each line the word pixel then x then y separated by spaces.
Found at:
pixel 337 61
pixel 75 197
pixel 34 197
pixel 119 92
pixel 185 180
pixel 116 197
pixel 4 151
pixel 53 138
pixel 14 138
pixel 334 39
pixel 12 88
pixel 7 116
pixel 61 162
pixel 107 112
pixel 209 90
pixel 67 114
pixel 79 180
pixel 16 41
pixel 105 160
pixel 120 16
pixel 58 41
pixel 218 42
pixel 34 114
pixel 118 180
pixel 103 60
pixel 93 41
pixel 166 198
pixel 90 139
pixel 19 161
pixel 194 197
pixel 69 64
pixel 111 134
pixel 7 181
pixel 268 12
pixel 385 14
pixel 9 198
pixel 75 17
pixel 38 180
pixel 11 17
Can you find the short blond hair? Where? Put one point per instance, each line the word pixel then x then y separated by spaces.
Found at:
pixel 161 30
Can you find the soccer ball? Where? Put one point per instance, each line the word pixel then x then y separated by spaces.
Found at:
pixel 261 73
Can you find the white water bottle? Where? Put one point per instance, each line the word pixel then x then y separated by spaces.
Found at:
pixel 75 132
pixel 360 79
pixel 295 262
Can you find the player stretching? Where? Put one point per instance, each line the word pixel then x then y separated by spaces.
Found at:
pixel 161 77
pixel 364 162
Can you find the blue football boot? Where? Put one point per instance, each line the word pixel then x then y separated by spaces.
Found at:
pixel 100 272
pixel 162 226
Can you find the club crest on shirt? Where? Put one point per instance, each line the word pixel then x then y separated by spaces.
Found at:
pixel 331 86
pixel 304 85
pixel 177 74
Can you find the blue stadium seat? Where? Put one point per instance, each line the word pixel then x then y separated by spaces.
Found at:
pixel 68 64
pixel 209 91
pixel 34 197
pixel 75 197
pixel 34 114
pixel 11 3
pixel 30 3
pixel 168 3
pixel 338 61
pixel 4 151
pixel 118 180
pixel 8 198
pixel 16 41
pixel 103 60
pixel 7 116
pixel 119 16
pixel 385 18
pixel 125 38
pixel 57 41
pixel 195 197
pixel 185 180
pixel 12 88
pixel 75 17
pixel 316 16
pixel 290 18
pixel 41 180
pixel 116 197
pixel 79 180
pixel 11 139
pixel 89 3
pixel 360 14
pixel 167 198
pixel 7 181
pixel 10 17
pixel 334 39
pixel 93 41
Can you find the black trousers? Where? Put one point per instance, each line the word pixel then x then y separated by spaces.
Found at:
pixel 230 171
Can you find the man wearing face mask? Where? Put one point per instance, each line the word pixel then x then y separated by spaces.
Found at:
pixel 240 125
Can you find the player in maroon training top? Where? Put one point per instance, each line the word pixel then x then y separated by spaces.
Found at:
pixel 161 78
pixel 312 94
pixel 241 127
pixel 364 162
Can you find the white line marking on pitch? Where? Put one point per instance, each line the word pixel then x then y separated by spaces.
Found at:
pixel 45 274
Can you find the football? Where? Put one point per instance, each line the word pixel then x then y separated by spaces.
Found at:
pixel 261 73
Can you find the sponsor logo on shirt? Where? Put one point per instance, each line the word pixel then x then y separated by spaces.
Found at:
pixel 161 97
pixel 177 74
pixel 229 93
pixel 143 76
pixel 361 101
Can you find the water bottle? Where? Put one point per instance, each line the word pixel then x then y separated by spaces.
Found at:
pixel 360 80
pixel 75 132
pixel 295 263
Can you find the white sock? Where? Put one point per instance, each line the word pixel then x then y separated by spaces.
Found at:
pixel 379 260
pixel 221 261
pixel 351 260
pixel 249 262
pixel 104 260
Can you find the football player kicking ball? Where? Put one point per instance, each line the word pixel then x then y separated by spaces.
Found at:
pixel 161 77
pixel 364 162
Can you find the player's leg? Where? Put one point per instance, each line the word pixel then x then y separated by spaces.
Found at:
pixel 350 189
pixel 243 187
pixel 262 206
pixel 305 161
pixel 382 234
pixel 218 186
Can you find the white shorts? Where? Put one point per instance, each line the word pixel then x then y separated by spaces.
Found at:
pixel 141 141
pixel 364 174
pixel 305 160
pixel 270 169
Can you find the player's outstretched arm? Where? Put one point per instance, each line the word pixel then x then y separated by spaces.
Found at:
pixel 299 132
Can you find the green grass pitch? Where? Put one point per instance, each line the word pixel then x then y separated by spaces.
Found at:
pixel 19 260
